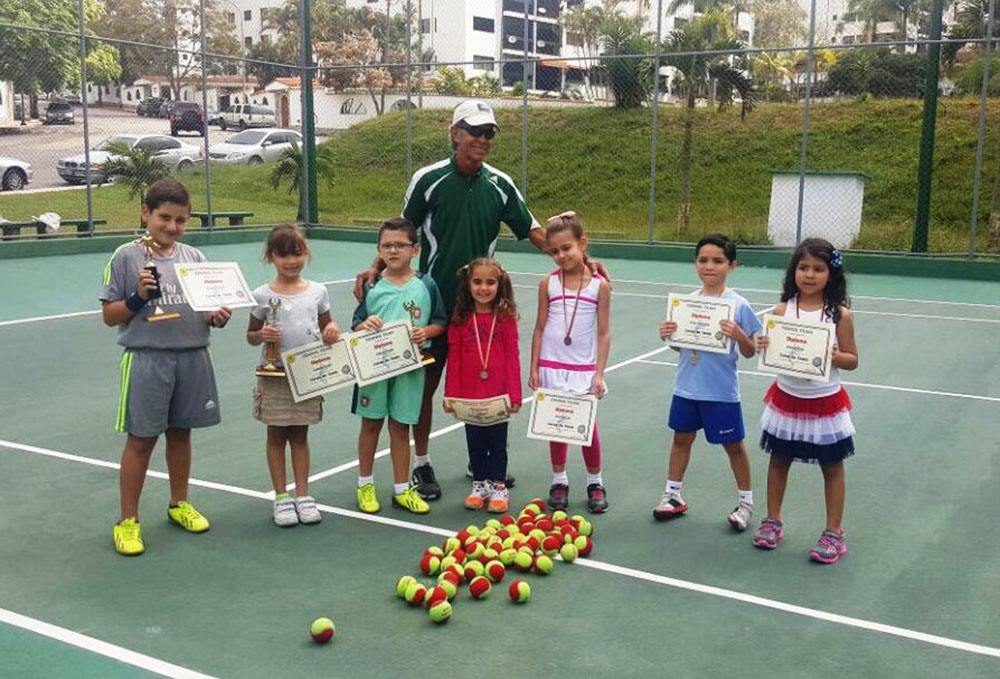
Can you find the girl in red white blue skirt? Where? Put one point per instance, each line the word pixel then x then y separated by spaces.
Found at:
pixel 807 420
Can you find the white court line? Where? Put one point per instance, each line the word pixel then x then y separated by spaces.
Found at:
pixel 687 585
pixel 94 312
pixel 869 385
pixel 778 292
pixel 99 647
pixel 458 425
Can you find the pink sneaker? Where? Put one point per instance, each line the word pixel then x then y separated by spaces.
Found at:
pixel 768 534
pixel 829 548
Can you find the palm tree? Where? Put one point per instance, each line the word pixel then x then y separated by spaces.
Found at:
pixel 684 50
pixel 134 168
pixel 290 168
pixel 630 78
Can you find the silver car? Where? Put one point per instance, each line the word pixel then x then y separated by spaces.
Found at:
pixel 254 146
pixel 174 153
pixel 14 174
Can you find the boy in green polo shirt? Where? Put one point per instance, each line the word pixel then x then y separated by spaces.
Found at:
pixel 400 293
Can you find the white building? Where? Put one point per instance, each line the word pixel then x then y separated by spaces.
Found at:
pixel 249 18
pixel 837 25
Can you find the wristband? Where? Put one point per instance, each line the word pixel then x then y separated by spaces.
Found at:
pixel 134 302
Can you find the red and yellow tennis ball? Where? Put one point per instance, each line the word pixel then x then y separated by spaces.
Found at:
pixel 583 544
pixel 430 564
pixel 489 554
pixel 480 587
pixel 435 550
pixel 523 561
pixel 415 594
pixel 451 577
pixel 569 552
pixel 459 556
pixel 544 524
pixel 322 630
pixel 451 544
pixel 495 570
pixel 540 503
pixel 435 595
pixel 582 525
pixel 519 592
pixel 507 556
pixel 473 569
pixel 440 613
pixel 532 508
pixel 543 564
pixel 459 571
pixel 402 584
pixel 474 550
pixel 559 515
pixel 450 588
pixel 551 544
pixel 534 543
pixel 507 519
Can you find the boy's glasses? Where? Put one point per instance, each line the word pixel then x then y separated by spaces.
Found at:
pixel 487 131
pixel 394 247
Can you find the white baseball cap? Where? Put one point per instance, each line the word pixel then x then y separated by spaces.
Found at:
pixel 473 112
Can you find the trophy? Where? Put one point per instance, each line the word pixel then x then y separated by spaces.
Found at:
pixel 271 353
pixel 149 246
pixel 414 311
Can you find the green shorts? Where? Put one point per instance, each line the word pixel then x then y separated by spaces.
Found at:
pixel 398 397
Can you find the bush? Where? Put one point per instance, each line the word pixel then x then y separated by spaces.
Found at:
pixel 881 73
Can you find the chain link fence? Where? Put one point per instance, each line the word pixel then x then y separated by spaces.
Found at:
pixel 652 130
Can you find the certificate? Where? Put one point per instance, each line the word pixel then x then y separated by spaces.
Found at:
pixel 377 355
pixel 565 418
pixel 481 411
pixel 316 368
pixel 210 285
pixel 697 320
pixel 798 348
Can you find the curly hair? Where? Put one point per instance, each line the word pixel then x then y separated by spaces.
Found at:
pixel 835 292
pixel 465 305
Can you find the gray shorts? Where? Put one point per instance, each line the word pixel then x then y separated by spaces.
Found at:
pixel 162 388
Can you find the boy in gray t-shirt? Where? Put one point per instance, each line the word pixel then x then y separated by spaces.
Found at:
pixel 167 383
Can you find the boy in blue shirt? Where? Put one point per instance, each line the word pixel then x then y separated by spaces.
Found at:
pixel 707 392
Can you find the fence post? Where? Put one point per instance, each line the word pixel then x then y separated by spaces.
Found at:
pixel 978 176
pixel 810 57
pixel 656 125
pixel 926 167
pixel 204 107
pixel 409 91
pixel 524 107
pixel 86 123
pixel 308 190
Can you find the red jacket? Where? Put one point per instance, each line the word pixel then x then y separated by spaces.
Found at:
pixel 463 378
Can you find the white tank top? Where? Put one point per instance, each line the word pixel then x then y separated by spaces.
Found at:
pixel 796 386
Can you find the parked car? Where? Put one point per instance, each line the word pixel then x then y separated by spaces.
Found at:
pixel 213 117
pixel 14 174
pixel 164 110
pixel 173 152
pixel 149 107
pixel 254 146
pixel 59 112
pixel 188 116
pixel 242 116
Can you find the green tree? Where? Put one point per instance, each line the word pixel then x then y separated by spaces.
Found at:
pixel 779 23
pixel 451 81
pixel 38 62
pixel 586 24
pixel 630 78
pixel 880 73
pixel 289 169
pixel 103 67
pixel 134 168
pixel 281 51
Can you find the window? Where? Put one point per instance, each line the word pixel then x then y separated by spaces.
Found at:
pixel 265 38
pixel 231 18
pixel 483 24
pixel 263 100
pixel 129 96
pixel 834 17
pixel 425 25
pixel 248 41
pixel 247 15
pixel 482 63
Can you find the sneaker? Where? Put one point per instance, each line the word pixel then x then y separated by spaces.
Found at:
pixel 830 547
pixel 740 517
pixel 425 483
pixel 768 534
pixel 411 501
pixel 558 496
pixel 479 495
pixel 499 499
pixel 305 507
pixel 510 481
pixel 367 501
pixel 284 512
pixel 671 505
pixel 128 538
pixel 187 517
pixel 597 501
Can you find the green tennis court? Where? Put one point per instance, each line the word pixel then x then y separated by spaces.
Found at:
pixel 915 597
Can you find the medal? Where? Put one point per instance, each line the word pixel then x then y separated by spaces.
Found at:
pixel 484 373
pixel 567 340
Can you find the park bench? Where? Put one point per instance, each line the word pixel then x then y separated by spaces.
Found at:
pixel 12 230
pixel 235 218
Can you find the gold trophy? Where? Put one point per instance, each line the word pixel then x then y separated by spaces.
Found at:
pixel 414 311
pixel 271 353
pixel 150 246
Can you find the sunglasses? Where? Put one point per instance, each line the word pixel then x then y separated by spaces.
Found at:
pixel 487 131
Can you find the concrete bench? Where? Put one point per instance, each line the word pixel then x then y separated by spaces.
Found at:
pixel 12 230
pixel 235 218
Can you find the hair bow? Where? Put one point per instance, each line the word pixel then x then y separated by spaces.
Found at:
pixel 568 214
pixel 836 260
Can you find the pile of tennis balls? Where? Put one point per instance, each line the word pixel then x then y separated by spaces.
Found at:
pixel 479 557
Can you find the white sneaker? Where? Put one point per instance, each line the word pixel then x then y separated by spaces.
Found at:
pixel 284 512
pixel 740 517
pixel 305 507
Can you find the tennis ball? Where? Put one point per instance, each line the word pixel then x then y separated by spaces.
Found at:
pixel 544 525
pixel 480 587
pixel 435 595
pixel 469 542
pixel 540 503
pixel 461 536
pixel 507 556
pixel 523 562
pixel 489 554
pixel 440 613
pixel 459 571
pixel 551 544
pixel 474 551
pixel 430 564
pixel 532 509
pixel 402 584
pixel 322 630
pixel 449 576
pixel 519 592
pixel 435 550
pixel 415 594
pixel 450 588
pixel 451 544
pixel 558 515
pixel 495 571
pixel 472 529
pixel 586 528
pixel 537 533
pixel 569 533
pixel 459 555
pixel 494 524
pixel 543 564
pixel 473 569
pixel 508 543
pixel 569 552
pixel 533 542
pixel 507 520
pixel 583 544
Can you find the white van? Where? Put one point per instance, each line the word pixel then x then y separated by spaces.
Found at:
pixel 242 116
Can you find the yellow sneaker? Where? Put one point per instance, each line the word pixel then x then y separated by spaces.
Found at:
pixel 410 501
pixel 367 501
pixel 128 538
pixel 187 517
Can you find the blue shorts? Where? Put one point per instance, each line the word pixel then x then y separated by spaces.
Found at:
pixel 722 421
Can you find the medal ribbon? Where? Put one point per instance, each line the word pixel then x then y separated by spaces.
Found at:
pixel 479 345
pixel 576 305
